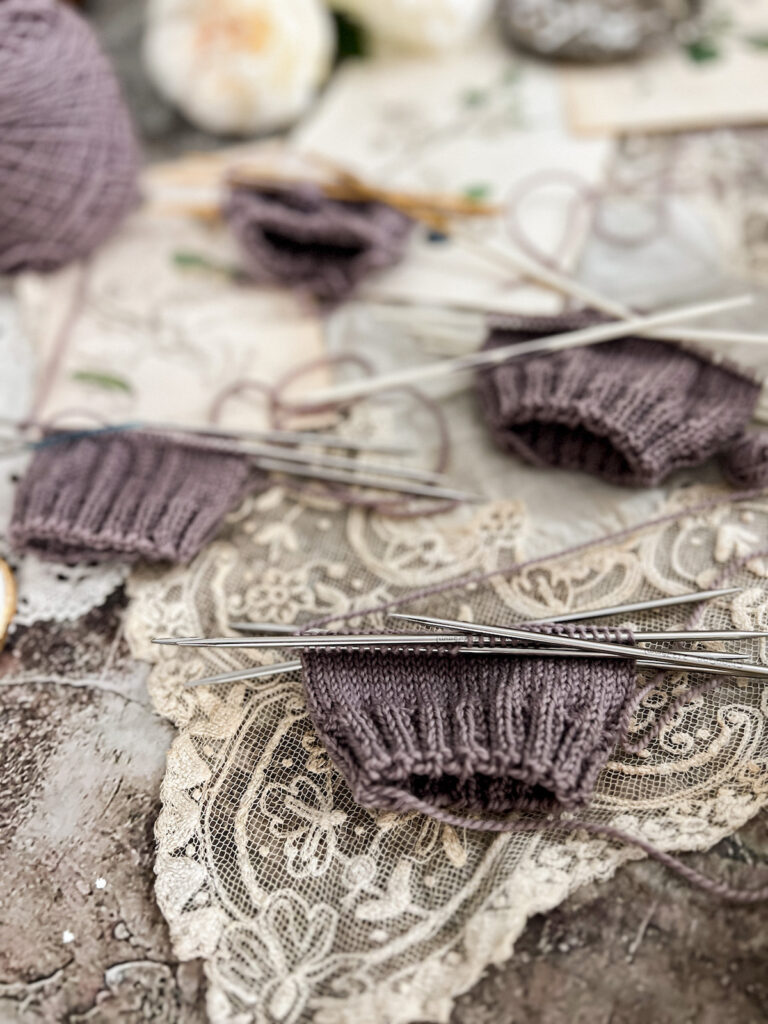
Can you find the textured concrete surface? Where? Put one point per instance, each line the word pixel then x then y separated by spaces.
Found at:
pixel 81 938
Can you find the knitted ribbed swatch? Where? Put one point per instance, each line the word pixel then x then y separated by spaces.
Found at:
pixel 298 237
pixel 478 733
pixel 631 411
pixel 124 496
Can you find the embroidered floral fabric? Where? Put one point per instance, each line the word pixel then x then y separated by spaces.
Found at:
pixel 307 907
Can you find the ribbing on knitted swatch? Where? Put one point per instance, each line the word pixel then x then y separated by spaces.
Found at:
pixel 469 738
pixel 125 496
pixel 297 236
pixel 631 411
pixel 476 733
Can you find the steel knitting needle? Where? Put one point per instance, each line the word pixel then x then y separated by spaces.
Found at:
pixel 264 671
pixel 320 640
pixel 702 634
pixel 421 641
pixel 521 263
pixel 288 437
pixel 362 480
pixel 714 656
pixel 682 659
pixel 279 437
pixel 640 637
pixel 620 609
pixel 259 451
pixel 257 672
pixel 640 606
pixel 490 357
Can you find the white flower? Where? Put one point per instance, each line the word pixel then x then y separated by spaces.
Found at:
pixel 420 24
pixel 238 65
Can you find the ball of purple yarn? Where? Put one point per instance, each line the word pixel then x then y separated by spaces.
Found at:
pixel 298 237
pixel 69 159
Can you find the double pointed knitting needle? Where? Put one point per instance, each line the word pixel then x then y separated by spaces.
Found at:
pixel 420 641
pixel 315 472
pixel 278 437
pixel 520 263
pixel 264 671
pixel 491 357
pixel 683 659
pixel 640 637
pixel 595 613
pixel 289 437
pixel 640 606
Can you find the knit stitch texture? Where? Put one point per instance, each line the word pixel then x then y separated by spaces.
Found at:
pixel 478 733
pixel 69 160
pixel 296 236
pixel 124 496
pixel 631 411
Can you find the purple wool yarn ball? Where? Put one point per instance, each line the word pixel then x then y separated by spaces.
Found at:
pixel 69 159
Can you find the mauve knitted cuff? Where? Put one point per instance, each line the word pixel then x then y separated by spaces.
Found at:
pixel 631 411
pixel 124 496
pixel 478 733
pixel 298 237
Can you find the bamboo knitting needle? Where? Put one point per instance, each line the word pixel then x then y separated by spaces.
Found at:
pixel 490 357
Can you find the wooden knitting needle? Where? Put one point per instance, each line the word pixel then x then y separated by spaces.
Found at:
pixel 422 641
pixel 264 671
pixel 491 357
pixel 669 635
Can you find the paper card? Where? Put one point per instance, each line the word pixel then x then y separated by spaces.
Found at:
pixel 718 76
pixel 153 336
pixel 480 124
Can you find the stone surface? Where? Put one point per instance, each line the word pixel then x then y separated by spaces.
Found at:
pixel 81 937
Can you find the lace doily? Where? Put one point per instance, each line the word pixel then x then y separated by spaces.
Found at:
pixel 306 907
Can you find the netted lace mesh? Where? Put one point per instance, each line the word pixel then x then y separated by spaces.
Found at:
pixel 307 907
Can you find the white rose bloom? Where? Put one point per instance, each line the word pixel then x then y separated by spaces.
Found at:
pixel 420 24
pixel 239 66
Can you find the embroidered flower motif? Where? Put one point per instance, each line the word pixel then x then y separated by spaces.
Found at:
pixel 281 955
pixel 304 816
pixel 275 596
